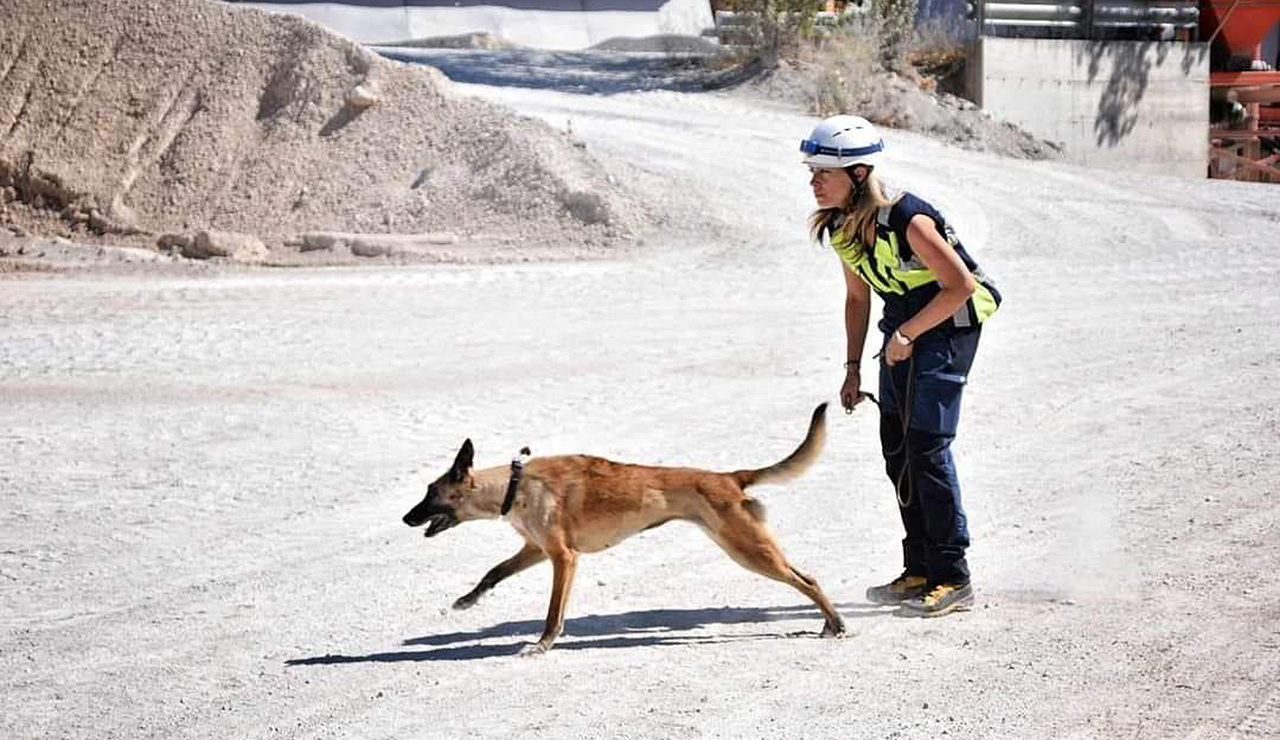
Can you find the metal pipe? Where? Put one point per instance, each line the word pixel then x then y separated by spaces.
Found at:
pixel 1126 11
pixel 1034 8
pixel 1041 24
pixel 1011 9
pixel 1170 16
pixel 1030 11
pixel 1143 24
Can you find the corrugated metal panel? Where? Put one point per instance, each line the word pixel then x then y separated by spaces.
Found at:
pixel 1088 18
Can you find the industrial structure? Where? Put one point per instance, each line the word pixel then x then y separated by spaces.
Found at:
pixel 1246 88
pixel 1179 87
pixel 1168 86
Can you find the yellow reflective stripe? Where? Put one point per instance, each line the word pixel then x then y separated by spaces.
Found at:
pixel 849 252
pixel 866 268
pixel 908 279
pixel 856 258
pixel 886 255
pixel 984 304
pixel 884 271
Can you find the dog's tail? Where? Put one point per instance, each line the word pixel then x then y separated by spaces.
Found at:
pixel 795 463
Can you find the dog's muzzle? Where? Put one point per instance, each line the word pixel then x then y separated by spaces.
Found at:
pixel 438 524
pixel 437 520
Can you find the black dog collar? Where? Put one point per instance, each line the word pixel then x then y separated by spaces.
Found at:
pixel 517 472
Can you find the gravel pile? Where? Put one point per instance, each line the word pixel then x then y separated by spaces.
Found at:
pixel 152 122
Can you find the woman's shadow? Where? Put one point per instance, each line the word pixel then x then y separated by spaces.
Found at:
pixel 628 629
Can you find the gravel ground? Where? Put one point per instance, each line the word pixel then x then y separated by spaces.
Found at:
pixel 205 467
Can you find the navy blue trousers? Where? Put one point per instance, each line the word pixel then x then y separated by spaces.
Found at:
pixel 919 461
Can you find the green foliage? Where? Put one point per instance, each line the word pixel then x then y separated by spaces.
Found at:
pixel 777 27
pixel 870 64
pixel 896 20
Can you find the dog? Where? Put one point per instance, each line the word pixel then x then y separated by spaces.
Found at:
pixel 567 505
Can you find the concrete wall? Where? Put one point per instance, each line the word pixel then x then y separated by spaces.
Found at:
pixel 541 24
pixel 1132 105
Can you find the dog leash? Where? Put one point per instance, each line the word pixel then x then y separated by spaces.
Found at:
pixel 867 395
pixel 904 412
pixel 517 472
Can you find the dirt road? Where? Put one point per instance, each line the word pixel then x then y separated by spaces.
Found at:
pixel 203 474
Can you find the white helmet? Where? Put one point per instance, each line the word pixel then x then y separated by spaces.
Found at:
pixel 842 141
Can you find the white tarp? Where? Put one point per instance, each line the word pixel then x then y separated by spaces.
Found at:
pixel 542 24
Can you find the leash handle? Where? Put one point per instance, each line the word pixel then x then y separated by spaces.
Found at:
pixel 867 395
pixel 517 472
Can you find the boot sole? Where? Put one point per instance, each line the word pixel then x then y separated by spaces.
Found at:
pixel 893 601
pixel 959 606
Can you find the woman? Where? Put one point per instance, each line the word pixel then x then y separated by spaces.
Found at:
pixel 935 302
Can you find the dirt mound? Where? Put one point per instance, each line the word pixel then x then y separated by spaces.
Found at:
pixel 134 118
pixel 853 78
pixel 899 101
pixel 907 101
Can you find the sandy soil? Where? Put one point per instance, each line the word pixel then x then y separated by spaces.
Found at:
pixel 205 466
pixel 134 120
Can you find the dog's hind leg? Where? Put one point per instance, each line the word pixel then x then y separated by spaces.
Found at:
pixel 834 626
pixel 564 563
pixel 751 545
pixel 529 555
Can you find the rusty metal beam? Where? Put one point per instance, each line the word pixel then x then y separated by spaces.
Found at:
pixel 1221 79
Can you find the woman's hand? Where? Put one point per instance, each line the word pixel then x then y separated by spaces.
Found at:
pixel 898 348
pixel 851 390
pixel 857 313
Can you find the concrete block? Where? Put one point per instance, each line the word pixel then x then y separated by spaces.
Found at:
pixel 1133 105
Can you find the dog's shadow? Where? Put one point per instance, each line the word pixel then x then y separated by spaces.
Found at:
pixel 655 627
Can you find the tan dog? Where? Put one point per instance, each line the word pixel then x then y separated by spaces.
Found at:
pixel 572 504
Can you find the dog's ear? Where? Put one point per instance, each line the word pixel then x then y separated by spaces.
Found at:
pixel 462 463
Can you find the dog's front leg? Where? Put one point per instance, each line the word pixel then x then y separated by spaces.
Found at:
pixel 563 563
pixel 529 555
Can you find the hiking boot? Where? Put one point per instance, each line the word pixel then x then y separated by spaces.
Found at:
pixel 903 588
pixel 941 599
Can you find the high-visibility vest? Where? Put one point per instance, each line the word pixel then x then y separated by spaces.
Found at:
pixel 898 276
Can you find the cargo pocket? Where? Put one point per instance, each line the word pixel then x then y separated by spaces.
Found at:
pixel 935 398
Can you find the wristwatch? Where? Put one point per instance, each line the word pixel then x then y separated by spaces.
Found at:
pixel 902 339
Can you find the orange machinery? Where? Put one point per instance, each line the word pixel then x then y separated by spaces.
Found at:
pixel 1239 27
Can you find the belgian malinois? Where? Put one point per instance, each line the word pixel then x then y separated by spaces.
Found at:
pixel 571 504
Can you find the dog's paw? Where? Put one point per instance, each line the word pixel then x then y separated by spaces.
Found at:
pixel 533 649
pixel 464 602
pixel 837 632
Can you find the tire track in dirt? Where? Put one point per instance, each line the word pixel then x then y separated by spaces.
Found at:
pixel 17 59
pixel 160 133
pixel 82 122
pixel 219 204
pixel 27 94
pixel 105 62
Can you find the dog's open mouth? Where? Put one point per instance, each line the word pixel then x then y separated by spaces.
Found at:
pixel 438 524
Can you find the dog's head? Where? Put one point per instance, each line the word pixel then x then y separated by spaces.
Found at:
pixel 448 501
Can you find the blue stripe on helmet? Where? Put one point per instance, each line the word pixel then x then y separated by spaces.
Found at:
pixel 809 146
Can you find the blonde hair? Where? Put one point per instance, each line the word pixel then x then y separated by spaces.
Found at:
pixel 855 220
